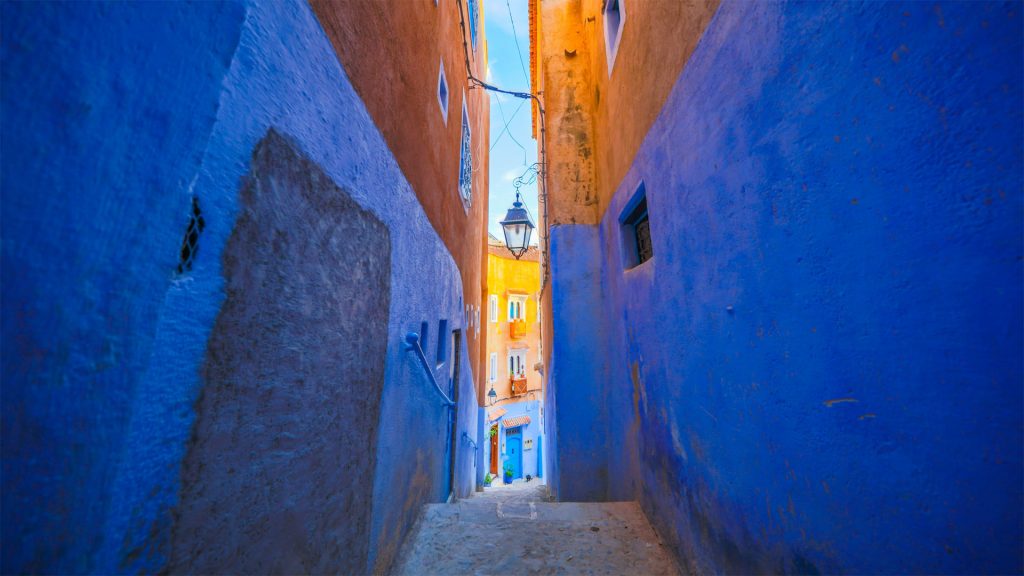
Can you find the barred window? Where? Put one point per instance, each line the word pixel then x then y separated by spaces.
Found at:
pixel 637 246
pixel 466 160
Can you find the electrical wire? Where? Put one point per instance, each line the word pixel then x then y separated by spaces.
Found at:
pixel 475 82
pixel 509 132
pixel 515 36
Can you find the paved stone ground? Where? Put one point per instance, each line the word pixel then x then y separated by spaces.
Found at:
pixel 517 530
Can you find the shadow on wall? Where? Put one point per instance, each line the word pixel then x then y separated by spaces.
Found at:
pixel 279 472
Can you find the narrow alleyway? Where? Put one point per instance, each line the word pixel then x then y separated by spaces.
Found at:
pixel 517 530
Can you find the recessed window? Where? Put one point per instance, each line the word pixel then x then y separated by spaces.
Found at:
pixel 471 6
pixel 614 13
pixel 442 92
pixel 517 363
pixel 493 375
pixel 466 160
pixel 190 243
pixel 442 341
pixel 424 332
pixel 494 308
pixel 636 230
pixel 516 308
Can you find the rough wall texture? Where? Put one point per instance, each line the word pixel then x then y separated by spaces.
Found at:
pixel 597 119
pixel 107 139
pixel 569 109
pixel 629 98
pixel 579 366
pixel 392 53
pixel 823 357
pixel 102 136
pixel 279 473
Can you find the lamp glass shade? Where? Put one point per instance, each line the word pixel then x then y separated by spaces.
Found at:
pixel 518 226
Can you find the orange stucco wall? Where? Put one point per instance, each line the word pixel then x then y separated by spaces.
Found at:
pixel 391 53
pixel 507 276
pixel 596 121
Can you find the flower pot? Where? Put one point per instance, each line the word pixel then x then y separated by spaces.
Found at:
pixel 508 478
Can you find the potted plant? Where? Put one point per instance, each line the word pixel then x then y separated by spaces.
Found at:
pixel 508 473
pixel 488 479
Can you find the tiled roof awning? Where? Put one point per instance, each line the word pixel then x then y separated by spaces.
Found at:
pixel 495 414
pixel 515 422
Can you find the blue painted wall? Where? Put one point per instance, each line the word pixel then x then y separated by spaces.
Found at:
pixel 106 138
pixel 823 359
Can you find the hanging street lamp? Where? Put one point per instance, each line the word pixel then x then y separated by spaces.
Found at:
pixel 518 225
pixel 492 396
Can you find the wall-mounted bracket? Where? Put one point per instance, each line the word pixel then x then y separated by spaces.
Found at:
pixel 412 344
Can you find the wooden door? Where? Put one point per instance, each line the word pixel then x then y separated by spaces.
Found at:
pixel 494 450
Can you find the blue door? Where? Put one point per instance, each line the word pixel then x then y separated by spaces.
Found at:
pixel 514 451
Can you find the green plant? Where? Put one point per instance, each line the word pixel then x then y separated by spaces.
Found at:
pixel 508 469
pixel 492 433
pixel 488 478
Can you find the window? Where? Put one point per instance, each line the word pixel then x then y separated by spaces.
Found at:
pixel 494 308
pixel 517 363
pixel 466 160
pixel 516 308
pixel 637 247
pixel 442 92
pixel 471 7
pixel 442 341
pixel 614 13
pixel 494 367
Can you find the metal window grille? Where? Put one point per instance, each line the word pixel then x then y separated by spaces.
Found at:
pixel 644 250
pixel 466 162
pixel 471 4
pixel 190 243
pixel 637 228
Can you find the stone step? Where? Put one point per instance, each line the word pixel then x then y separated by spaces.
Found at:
pixel 516 536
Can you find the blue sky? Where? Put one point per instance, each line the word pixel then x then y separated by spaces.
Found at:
pixel 516 149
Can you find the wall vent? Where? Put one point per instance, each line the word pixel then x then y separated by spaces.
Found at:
pixel 190 243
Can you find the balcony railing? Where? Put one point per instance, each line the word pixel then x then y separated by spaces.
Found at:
pixel 518 385
pixel 517 329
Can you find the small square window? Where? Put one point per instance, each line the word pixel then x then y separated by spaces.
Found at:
pixel 637 247
pixel 442 92
pixel 614 14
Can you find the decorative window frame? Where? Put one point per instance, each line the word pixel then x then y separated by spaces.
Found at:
pixel 520 299
pixel 493 309
pixel 465 176
pixel 473 15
